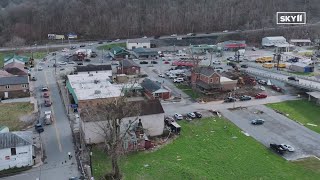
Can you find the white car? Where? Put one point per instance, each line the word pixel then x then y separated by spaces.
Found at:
pixel 191 115
pixel 161 75
pixel 62 63
pixel 40 68
pixel 225 31
pixel 172 76
pixel 144 37
pixel 64 50
pixel 116 40
pixel 178 116
pixel 287 147
pixel 178 80
pixel 216 62
pixel 90 44
pixel 173 35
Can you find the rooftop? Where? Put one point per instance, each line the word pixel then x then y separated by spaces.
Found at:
pixel 301 40
pixel 274 38
pixel 91 67
pixel 128 63
pixel 15 139
pixel 13 80
pixel 150 85
pixel 225 79
pixel 93 86
pixel 206 70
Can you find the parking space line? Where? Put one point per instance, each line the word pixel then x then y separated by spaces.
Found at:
pixel 53 119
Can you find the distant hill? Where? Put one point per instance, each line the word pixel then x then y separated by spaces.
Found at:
pixel 29 21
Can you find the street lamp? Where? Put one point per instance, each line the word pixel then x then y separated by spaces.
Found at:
pixel 91 163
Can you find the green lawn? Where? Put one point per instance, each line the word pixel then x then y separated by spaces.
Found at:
pixel 190 92
pixel 109 46
pixel 207 150
pixel 302 111
pixel 11 112
pixel 303 73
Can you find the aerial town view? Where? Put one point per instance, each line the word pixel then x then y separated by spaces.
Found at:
pixel 159 90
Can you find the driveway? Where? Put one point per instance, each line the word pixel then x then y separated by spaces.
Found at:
pixel 276 129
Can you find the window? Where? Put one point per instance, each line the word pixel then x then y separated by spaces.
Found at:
pixel 133 47
pixel 198 76
pixel 24 85
pixel 144 46
pixel 211 80
pixel 13 152
pixel 7 86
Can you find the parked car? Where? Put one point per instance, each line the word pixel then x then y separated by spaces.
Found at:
pixel 90 44
pixel 245 98
pixel 263 82
pixel 257 121
pixel 47 102
pixel 100 42
pixel 261 96
pixel 73 47
pixel 230 99
pixel 166 62
pixel 225 31
pixel 87 60
pixel 198 114
pixel 82 45
pixel 276 88
pixel 144 37
pixel 178 80
pixel 287 147
pixel 116 40
pixel 33 78
pixel 71 62
pixel 277 148
pixel 144 62
pixel 191 115
pixel 178 116
pixel 292 78
pixel 154 62
pixel 40 68
pixel 218 68
pixel 244 66
pixel 79 63
pixel 172 76
pixel 93 55
pixel 46 95
pixel 62 63
pixel 39 128
pixel 116 63
pixel 161 75
pixel 44 88
pixel 173 35
pixel 216 62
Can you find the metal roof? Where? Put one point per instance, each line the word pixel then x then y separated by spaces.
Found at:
pixel 128 63
pixel 314 94
pixel 15 139
pixel 91 67
pixel 13 80
pixel 150 85
pixel 141 40
pixel 207 71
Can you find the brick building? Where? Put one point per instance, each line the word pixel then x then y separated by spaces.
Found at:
pixel 128 67
pixel 206 78
pixel 155 90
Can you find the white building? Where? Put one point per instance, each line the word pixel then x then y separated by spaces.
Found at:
pixel 86 52
pixel 300 42
pixel 16 149
pixel 151 116
pixel 138 43
pixel 273 41
pixel 92 69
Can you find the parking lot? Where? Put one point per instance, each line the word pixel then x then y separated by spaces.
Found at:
pixel 276 129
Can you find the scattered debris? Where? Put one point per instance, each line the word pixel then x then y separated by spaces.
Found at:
pixel 146 165
pixel 258 112
pixel 245 133
pixel 234 137
pixel 314 125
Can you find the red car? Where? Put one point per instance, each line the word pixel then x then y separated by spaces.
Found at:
pixel 276 88
pixel 47 102
pixel 261 96
pixel 46 94
pixel 166 62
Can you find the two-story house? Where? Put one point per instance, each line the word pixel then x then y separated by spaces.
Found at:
pixel 14 87
pixel 206 78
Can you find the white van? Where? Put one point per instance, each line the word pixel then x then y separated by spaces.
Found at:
pixel 178 80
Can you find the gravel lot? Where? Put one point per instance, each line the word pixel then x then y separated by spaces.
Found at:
pixel 276 129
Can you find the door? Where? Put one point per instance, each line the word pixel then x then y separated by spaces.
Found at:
pixel 6 95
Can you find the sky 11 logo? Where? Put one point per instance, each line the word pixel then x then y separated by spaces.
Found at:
pixel 291 18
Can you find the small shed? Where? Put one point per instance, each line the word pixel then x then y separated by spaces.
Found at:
pixel 314 96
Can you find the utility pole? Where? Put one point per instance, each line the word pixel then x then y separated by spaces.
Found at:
pixel 277 57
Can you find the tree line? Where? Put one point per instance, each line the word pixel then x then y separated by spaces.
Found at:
pixel 29 21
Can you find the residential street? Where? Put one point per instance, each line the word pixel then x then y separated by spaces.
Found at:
pixel 56 138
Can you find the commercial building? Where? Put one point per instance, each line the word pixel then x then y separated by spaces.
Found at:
pixel 300 42
pixel 234 45
pixel 16 149
pixel 151 117
pixel 138 43
pixel 145 53
pixel 90 68
pixel 119 53
pixel 273 41
pixel 14 87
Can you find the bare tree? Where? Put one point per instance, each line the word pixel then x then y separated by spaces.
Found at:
pixel 109 117
pixel 16 42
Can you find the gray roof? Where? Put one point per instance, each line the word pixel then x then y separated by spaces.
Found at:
pixel 140 40
pixel 207 71
pixel 128 63
pixel 91 67
pixel 13 80
pixel 15 139
pixel 150 85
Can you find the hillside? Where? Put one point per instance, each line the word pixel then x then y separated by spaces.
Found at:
pixel 29 21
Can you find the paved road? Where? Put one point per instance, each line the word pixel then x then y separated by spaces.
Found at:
pixel 276 129
pixel 183 108
pixel 57 138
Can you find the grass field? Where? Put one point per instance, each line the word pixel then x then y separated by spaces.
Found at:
pixel 109 46
pixel 207 150
pixel 302 111
pixel 303 73
pixel 10 113
pixel 190 92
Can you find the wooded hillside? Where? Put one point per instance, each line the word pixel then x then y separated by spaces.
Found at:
pixel 31 20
